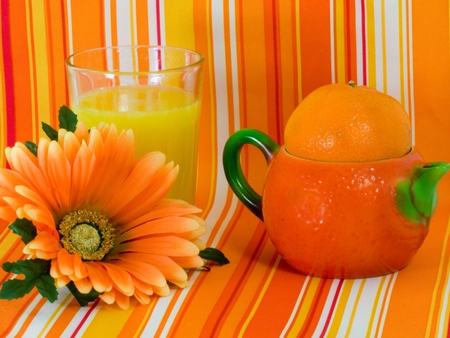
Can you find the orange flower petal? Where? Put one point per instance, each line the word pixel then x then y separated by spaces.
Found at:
pixel 70 145
pixel 82 131
pixel 99 277
pixel 65 262
pixel 140 178
pixel 54 269
pixel 149 198
pixel 165 246
pixel 122 300
pixel 44 241
pixel 189 262
pixel 142 297
pixel 79 268
pixel 120 278
pixel 165 265
pixel 143 271
pixel 108 297
pixel 83 285
pixel 59 174
pixel 165 208
pixel 82 169
pixel 160 226
pixel 143 287
pixel 62 281
pixel 38 215
pixel 163 292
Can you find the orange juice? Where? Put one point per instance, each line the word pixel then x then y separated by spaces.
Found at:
pixel 162 118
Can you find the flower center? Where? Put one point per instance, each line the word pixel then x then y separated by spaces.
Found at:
pixel 87 233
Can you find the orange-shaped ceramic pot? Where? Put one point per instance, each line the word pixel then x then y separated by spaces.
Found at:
pixel 339 220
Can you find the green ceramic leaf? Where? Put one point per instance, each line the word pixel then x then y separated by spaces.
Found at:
pixel 83 298
pixel 49 131
pixel 214 255
pixel 24 228
pixel 32 147
pixel 67 119
pixel 36 273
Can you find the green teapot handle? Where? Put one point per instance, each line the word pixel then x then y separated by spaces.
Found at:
pixel 233 170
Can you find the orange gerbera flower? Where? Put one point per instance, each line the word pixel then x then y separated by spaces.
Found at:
pixel 101 216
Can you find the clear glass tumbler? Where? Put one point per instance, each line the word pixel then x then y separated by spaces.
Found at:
pixel 154 90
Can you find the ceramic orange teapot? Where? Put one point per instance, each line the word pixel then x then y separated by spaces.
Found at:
pixel 339 220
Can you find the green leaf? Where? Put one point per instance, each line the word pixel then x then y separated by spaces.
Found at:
pixel 67 119
pixel 24 228
pixel 83 298
pixel 37 275
pixel 214 255
pixel 49 131
pixel 32 147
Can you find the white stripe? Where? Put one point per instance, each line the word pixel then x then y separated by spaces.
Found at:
pixel 379 62
pixel 162 22
pixel 393 278
pixel 359 46
pixel 41 317
pixel 76 320
pixel 123 23
pixel 107 19
pixel 350 305
pixel 152 23
pixel 296 306
pixel 392 50
pixel 327 308
pixel 69 26
pixel 364 309
pixel 404 47
pixel 24 317
pixel 332 46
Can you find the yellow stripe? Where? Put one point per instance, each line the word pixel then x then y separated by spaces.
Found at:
pixel 179 23
pixel 306 306
pixel 433 305
pixel 7 242
pixel 31 66
pixel 371 55
pixel 55 312
pixel 41 58
pixel 115 318
pixel 340 41
pixel 132 24
pixel 150 308
pixel 355 306
pixel 260 297
pixel 340 309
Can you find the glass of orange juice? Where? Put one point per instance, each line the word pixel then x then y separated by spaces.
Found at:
pixel 154 90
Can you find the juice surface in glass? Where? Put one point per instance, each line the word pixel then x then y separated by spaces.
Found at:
pixel 165 119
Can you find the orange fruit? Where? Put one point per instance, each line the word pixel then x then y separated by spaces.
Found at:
pixel 339 220
pixel 341 123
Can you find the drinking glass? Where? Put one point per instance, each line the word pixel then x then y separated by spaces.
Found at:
pixel 153 90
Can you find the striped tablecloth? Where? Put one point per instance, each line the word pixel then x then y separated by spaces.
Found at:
pixel 262 58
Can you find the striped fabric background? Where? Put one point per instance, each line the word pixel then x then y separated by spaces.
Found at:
pixel 262 58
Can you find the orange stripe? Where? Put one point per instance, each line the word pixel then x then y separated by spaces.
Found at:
pixel 15 309
pixel 64 319
pixel 87 24
pixel 316 62
pixel 31 316
pixel 142 23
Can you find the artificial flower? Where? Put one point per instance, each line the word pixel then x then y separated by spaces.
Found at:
pixel 101 216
